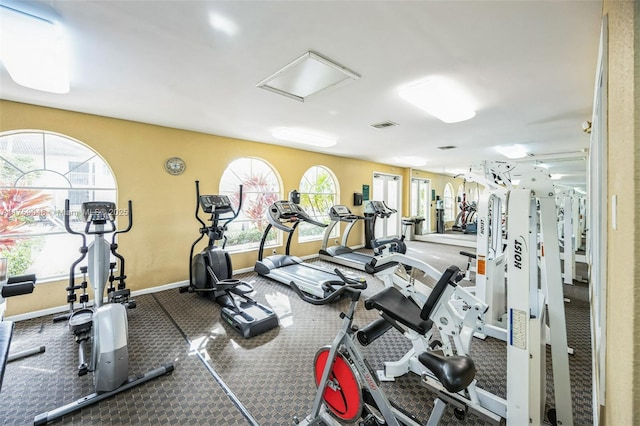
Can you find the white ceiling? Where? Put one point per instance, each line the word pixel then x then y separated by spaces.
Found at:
pixel 529 65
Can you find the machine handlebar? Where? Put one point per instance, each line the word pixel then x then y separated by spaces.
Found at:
pixel 351 285
pixel 355 294
pixel 129 223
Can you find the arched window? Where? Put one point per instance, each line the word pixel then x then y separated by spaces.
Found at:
pixel 38 171
pixel 318 192
pixel 261 188
pixel 449 202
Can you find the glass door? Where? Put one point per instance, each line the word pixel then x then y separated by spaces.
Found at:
pixel 388 188
pixel 420 203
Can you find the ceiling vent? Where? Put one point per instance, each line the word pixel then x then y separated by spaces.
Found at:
pixel 446 147
pixel 384 125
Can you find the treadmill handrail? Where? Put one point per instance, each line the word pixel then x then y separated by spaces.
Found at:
pixel 350 285
pixel 284 211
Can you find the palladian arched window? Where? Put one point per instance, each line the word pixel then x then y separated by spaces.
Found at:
pixel 261 188
pixel 318 193
pixel 38 171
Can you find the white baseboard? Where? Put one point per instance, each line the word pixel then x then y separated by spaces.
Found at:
pixel 65 308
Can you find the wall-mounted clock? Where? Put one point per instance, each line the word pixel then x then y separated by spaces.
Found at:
pixel 175 166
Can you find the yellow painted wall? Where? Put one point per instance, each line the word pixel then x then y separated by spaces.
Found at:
pixel 157 248
pixel 622 405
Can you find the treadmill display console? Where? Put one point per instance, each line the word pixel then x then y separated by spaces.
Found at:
pixel 215 203
pixel 286 209
pixel 342 210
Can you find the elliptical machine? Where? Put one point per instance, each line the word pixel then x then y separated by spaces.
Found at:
pixel 378 209
pixel 105 325
pixel 210 272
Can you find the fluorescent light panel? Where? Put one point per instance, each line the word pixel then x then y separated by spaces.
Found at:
pixel 306 75
pixel 223 24
pixel 304 137
pixel 512 151
pixel 440 97
pixel 410 160
pixel 34 51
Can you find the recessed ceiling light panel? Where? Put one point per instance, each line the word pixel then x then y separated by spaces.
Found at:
pixel 441 97
pixel 306 75
pixel 223 24
pixel 34 51
pixel 304 137
pixel 410 160
pixel 512 151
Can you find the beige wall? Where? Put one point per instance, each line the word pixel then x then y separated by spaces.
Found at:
pixel 157 248
pixel 622 406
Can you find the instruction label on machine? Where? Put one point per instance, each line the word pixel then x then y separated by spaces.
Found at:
pixel 518 328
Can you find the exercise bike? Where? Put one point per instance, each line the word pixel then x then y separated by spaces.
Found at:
pixel 104 325
pixel 347 388
pixel 211 272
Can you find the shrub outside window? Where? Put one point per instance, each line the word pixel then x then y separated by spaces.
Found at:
pixel 38 171
pixel 318 194
pixel 261 188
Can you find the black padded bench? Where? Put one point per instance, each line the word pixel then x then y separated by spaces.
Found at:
pixel 394 305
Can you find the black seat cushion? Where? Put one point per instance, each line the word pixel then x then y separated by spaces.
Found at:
pixel 6 330
pixel 396 306
pixel 454 372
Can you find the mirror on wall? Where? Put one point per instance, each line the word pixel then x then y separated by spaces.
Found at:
pixel 419 201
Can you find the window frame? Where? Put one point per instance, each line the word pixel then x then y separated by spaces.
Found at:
pixel 42 212
pixel 449 203
pixel 240 176
pixel 324 217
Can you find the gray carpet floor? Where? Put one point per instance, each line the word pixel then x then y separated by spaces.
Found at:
pixel 270 375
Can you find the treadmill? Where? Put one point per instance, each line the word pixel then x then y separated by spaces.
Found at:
pixel 343 254
pixel 316 281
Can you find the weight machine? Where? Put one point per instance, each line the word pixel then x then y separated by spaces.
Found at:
pixel 490 256
pixel 458 315
pixel 570 229
pixel 535 288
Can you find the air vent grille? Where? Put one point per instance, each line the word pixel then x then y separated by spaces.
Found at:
pixel 384 125
pixel 444 148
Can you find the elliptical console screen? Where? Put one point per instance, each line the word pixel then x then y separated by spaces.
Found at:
pixel 99 211
pixel 218 203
